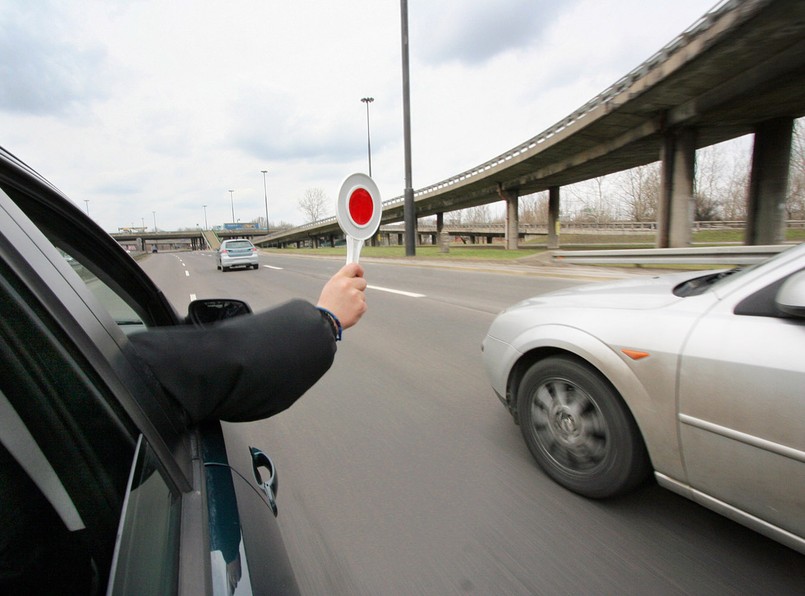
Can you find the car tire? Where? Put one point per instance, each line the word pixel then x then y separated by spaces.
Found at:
pixel 579 430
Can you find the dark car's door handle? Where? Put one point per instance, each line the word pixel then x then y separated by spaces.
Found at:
pixel 261 460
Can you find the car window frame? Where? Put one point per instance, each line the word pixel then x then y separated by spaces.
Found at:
pixel 53 284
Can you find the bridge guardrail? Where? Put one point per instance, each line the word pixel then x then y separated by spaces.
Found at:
pixel 704 255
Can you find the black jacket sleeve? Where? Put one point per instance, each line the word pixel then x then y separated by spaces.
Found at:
pixel 246 368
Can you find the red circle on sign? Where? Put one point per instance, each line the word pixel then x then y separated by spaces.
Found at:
pixel 361 206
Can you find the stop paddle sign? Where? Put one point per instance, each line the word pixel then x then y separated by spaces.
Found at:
pixel 358 212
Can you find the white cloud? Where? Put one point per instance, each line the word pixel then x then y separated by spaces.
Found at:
pixel 146 107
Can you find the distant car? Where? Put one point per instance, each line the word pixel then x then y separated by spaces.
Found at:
pixel 699 377
pixel 105 488
pixel 237 253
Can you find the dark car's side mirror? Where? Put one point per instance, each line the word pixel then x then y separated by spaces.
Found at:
pixel 790 297
pixel 210 310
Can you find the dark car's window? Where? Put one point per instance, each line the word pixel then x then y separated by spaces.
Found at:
pixel 147 553
pixel 75 423
pixel 121 311
pixel 68 229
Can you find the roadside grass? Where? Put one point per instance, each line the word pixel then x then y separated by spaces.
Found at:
pixel 534 248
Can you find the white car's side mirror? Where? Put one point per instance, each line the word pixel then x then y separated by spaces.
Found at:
pixel 790 297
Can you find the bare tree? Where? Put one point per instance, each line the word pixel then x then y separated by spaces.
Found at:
pixel 478 215
pixel 313 204
pixel 534 209
pixel 711 188
pixel 736 186
pixel 595 204
pixel 639 191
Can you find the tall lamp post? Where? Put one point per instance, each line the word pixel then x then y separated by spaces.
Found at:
pixel 154 213
pixel 409 209
pixel 232 200
pixel 367 101
pixel 265 194
pixel 86 204
pixel 205 216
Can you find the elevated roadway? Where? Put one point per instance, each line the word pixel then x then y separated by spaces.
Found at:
pixel 740 69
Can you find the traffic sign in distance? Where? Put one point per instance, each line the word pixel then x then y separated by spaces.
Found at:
pixel 358 212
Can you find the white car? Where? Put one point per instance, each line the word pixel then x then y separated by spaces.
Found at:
pixel 237 253
pixel 698 377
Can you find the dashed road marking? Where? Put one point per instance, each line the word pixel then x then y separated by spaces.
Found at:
pixel 400 292
pixel 272 267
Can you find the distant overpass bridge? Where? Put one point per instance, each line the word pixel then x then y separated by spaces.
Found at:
pixel 740 69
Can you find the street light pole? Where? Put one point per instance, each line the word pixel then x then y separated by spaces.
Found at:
pixel 86 203
pixel 265 194
pixel 232 200
pixel 367 101
pixel 409 209
pixel 154 213
pixel 205 216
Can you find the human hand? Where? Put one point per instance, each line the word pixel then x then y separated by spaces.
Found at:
pixel 344 295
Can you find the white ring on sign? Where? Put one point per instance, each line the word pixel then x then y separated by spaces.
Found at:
pixel 350 227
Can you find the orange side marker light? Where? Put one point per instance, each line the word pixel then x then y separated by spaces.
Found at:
pixel 635 354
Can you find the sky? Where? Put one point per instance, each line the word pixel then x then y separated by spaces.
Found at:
pixel 144 111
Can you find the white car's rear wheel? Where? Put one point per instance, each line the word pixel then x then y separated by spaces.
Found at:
pixel 579 430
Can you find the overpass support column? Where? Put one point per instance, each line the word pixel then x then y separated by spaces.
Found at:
pixel 677 208
pixel 512 217
pixel 442 238
pixel 768 182
pixel 553 217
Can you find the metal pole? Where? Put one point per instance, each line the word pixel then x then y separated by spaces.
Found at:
pixel 265 194
pixel 155 220
pixel 367 101
pixel 205 216
pixel 232 200
pixel 409 212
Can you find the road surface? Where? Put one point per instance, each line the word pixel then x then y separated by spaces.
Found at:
pixel 401 473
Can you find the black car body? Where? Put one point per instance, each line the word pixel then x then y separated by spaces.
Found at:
pixel 142 502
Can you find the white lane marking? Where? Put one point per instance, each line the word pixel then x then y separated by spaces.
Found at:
pixel 271 267
pixel 192 297
pixel 401 292
pixel 187 274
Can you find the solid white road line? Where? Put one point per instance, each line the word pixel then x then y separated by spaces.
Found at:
pixel 192 297
pixel 187 274
pixel 272 267
pixel 400 292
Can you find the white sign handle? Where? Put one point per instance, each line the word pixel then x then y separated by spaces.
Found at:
pixel 354 246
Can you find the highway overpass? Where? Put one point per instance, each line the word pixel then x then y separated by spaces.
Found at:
pixel 740 69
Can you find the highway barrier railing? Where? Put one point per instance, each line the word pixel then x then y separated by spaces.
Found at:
pixel 704 255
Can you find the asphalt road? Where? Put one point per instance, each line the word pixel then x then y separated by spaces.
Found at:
pixel 401 473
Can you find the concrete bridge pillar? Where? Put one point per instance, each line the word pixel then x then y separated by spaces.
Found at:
pixel 553 217
pixel 443 239
pixel 677 208
pixel 512 217
pixel 768 182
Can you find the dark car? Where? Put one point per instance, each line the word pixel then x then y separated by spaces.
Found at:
pixel 103 485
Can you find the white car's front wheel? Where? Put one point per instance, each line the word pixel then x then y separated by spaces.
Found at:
pixel 579 430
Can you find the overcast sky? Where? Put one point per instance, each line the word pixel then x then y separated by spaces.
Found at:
pixel 150 109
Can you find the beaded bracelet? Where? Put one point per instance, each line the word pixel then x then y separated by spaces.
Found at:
pixel 337 329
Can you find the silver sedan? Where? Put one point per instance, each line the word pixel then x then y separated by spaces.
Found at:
pixel 238 252
pixel 698 377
